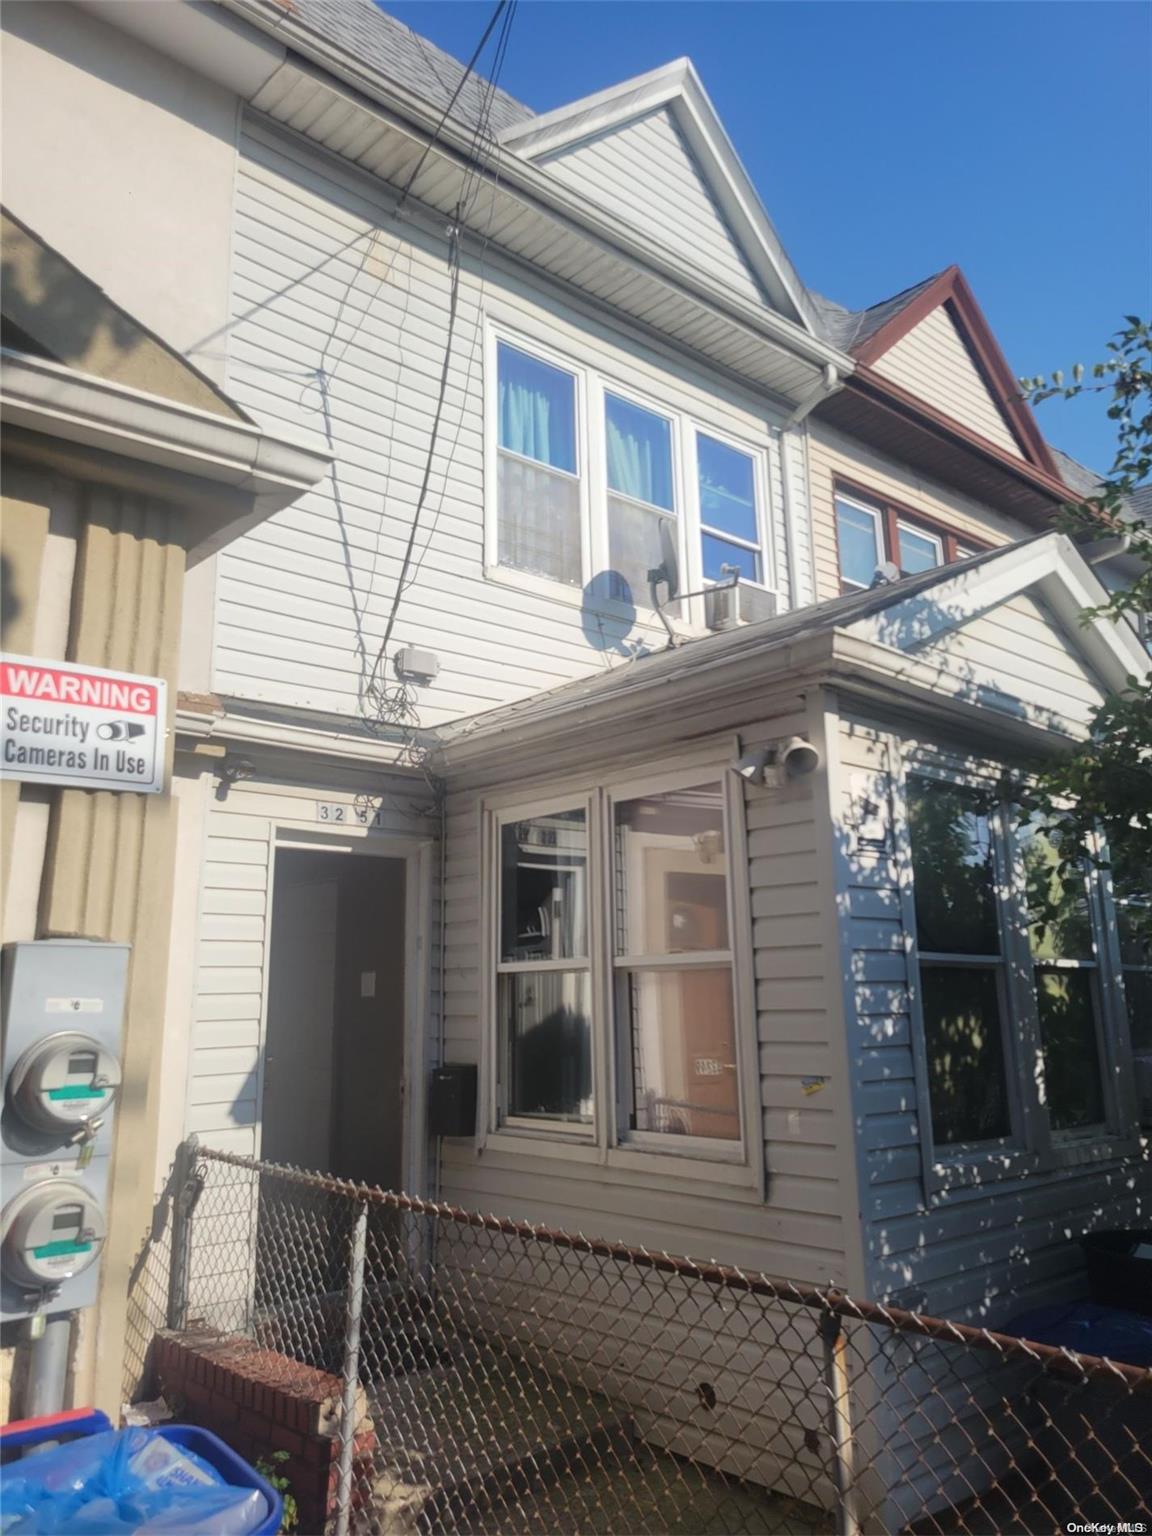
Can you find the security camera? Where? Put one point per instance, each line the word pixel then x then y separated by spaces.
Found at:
pixel 798 757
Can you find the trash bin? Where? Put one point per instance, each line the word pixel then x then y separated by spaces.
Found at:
pixel 122 1475
pixel 1119 1263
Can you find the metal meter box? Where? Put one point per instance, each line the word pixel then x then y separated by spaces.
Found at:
pixel 63 1016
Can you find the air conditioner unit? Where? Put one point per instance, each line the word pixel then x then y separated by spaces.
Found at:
pixel 728 606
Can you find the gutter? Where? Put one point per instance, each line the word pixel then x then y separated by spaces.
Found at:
pixel 164 28
pixel 61 404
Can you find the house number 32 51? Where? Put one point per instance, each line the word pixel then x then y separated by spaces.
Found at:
pixel 335 814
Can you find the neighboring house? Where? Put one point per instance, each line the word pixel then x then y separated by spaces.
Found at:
pixel 125 469
pixel 447 793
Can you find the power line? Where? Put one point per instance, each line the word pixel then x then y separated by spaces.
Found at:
pixel 464 78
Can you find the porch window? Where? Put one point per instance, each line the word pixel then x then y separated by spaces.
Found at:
pixel 1018 1047
pixel 538 496
pixel 675 1021
pixel 1132 891
pixel 543 980
pixel 641 495
pixel 1066 979
pixel 961 962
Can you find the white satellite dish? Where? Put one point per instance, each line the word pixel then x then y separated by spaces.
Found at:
pixel 885 574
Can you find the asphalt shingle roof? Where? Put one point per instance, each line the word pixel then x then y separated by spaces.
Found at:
pixel 382 43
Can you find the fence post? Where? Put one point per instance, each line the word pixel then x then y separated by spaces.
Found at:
pixel 351 1375
pixel 840 1421
pixel 186 1187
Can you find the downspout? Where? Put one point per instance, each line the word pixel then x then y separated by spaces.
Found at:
pixel 826 385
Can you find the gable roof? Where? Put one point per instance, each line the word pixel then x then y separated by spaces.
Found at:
pixel 949 289
pixel 677 88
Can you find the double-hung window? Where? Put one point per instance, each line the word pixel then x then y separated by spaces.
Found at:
pixel 1012 996
pixel 730 530
pixel 675 1021
pixel 871 533
pixel 640 995
pixel 642 526
pixel 1066 980
pixel 1132 892
pixel 596 486
pixel 543 984
pixel 538 496
pixel 962 965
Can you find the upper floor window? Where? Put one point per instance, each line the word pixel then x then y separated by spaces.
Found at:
pixel 641 494
pixel 596 487
pixel 539 477
pixel 873 533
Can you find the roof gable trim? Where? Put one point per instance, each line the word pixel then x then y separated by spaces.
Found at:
pixel 1054 567
pixel 951 290
pixel 677 87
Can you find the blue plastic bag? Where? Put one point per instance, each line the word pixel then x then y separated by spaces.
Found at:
pixel 130 1482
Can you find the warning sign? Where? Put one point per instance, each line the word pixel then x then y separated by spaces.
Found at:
pixel 67 724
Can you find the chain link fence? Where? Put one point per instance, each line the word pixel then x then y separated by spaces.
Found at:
pixel 479 1375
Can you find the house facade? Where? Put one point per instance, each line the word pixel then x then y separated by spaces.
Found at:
pixel 594 719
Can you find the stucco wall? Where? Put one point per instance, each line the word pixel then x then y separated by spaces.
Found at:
pixel 123 161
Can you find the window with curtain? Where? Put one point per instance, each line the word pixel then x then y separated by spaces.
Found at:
pixel 641 497
pixel 729 515
pixel 543 980
pixel 675 1018
pixel 538 494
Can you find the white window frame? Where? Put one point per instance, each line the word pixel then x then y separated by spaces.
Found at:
pixel 627 1139
pixel 904 526
pixel 596 377
pixel 1033 1145
pixel 760 483
pixel 878 523
pixel 500 1117
pixel 738 1166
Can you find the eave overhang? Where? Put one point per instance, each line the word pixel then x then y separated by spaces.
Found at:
pixel 522 214
pixel 896 422
pixel 228 474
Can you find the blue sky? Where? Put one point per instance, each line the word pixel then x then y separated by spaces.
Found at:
pixel 888 140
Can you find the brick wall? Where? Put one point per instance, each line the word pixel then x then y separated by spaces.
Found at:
pixel 259 1401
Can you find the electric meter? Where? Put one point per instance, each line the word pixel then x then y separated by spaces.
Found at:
pixel 64 1083
pixel 51 1232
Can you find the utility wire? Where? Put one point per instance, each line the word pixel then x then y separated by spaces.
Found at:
pixel 464 78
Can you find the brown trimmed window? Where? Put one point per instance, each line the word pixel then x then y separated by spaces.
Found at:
pixel 871 533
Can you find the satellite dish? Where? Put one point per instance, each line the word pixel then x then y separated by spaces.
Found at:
pixel 885 574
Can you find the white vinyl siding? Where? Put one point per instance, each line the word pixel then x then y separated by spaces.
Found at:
pixel 1014 658
pixel 798 1232
pixel 644 173
pixel 230 984
pixel 303 598
pixel 934 363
